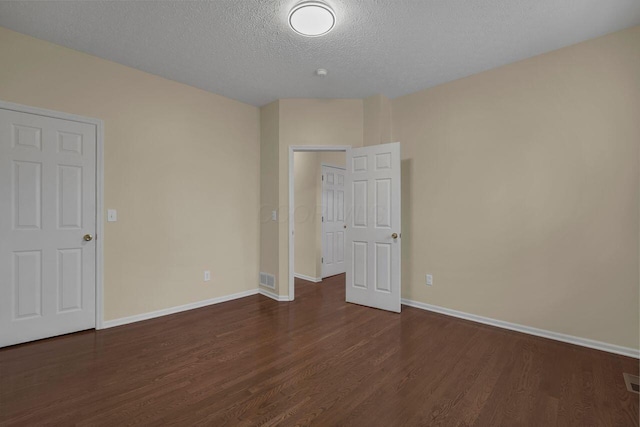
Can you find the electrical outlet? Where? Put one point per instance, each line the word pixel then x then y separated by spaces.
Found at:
pixel 274 215
pixel 207 275
pixel 429 280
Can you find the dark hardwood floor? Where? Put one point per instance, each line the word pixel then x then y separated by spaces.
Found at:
pixel 316 361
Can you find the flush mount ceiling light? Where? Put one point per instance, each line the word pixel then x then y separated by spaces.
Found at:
pixel 312 18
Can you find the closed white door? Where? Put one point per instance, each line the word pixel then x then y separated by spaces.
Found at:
pixel 47 210
pixel 333 221
pixel 373 230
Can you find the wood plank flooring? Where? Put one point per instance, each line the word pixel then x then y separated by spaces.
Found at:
pixel 316 361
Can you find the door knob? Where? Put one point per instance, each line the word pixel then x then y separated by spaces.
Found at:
pixel 88 237
pixel 394 235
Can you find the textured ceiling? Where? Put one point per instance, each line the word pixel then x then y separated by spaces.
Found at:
pixel 243 49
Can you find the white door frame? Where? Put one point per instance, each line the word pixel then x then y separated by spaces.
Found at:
pixel 292 150
pixel 324 207
pixel 99 188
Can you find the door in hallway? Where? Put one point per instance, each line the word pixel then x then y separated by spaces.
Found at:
pixel 333 221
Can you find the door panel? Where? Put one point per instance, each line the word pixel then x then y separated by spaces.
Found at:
pixel 70 197
pixel 27 284
pixel 333 181
pixel 47 205
pixel 27 188
pixel 373 253
pixel 69 279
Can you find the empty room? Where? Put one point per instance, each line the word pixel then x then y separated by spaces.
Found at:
pixel 320 213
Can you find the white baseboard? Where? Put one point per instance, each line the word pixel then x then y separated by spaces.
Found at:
pixel 273 295
pixel 308 278
pixel 584 342
pixel 164 312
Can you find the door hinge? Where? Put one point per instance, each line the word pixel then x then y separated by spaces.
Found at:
pixel 323 219
pixel 322 260
pixel 323 177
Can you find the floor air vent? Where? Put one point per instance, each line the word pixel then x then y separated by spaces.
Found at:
pixel 632 382
pixel 268 280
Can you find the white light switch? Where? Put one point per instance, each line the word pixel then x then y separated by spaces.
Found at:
pixel 429 280
pixel 112 215
pixel 207 275
pixel 274 215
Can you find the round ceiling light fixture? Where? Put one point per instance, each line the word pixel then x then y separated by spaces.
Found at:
pixel 312 18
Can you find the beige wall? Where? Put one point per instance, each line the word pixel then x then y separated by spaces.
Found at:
pixel 521 191
pixel 333 158
pixel 377 121
pixel 311 122
pixel 269 146
pixel 181 168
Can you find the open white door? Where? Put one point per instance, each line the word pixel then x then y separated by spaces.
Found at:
pixel 373 230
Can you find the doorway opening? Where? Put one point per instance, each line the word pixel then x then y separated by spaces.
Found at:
pixel 372 237
pixel 316 213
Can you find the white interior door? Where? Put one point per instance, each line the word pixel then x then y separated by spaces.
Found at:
pixel 47 206
pixel 373 231
pixel 333 221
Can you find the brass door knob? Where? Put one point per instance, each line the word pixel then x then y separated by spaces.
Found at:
pixel 88 237
pixel 394 235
